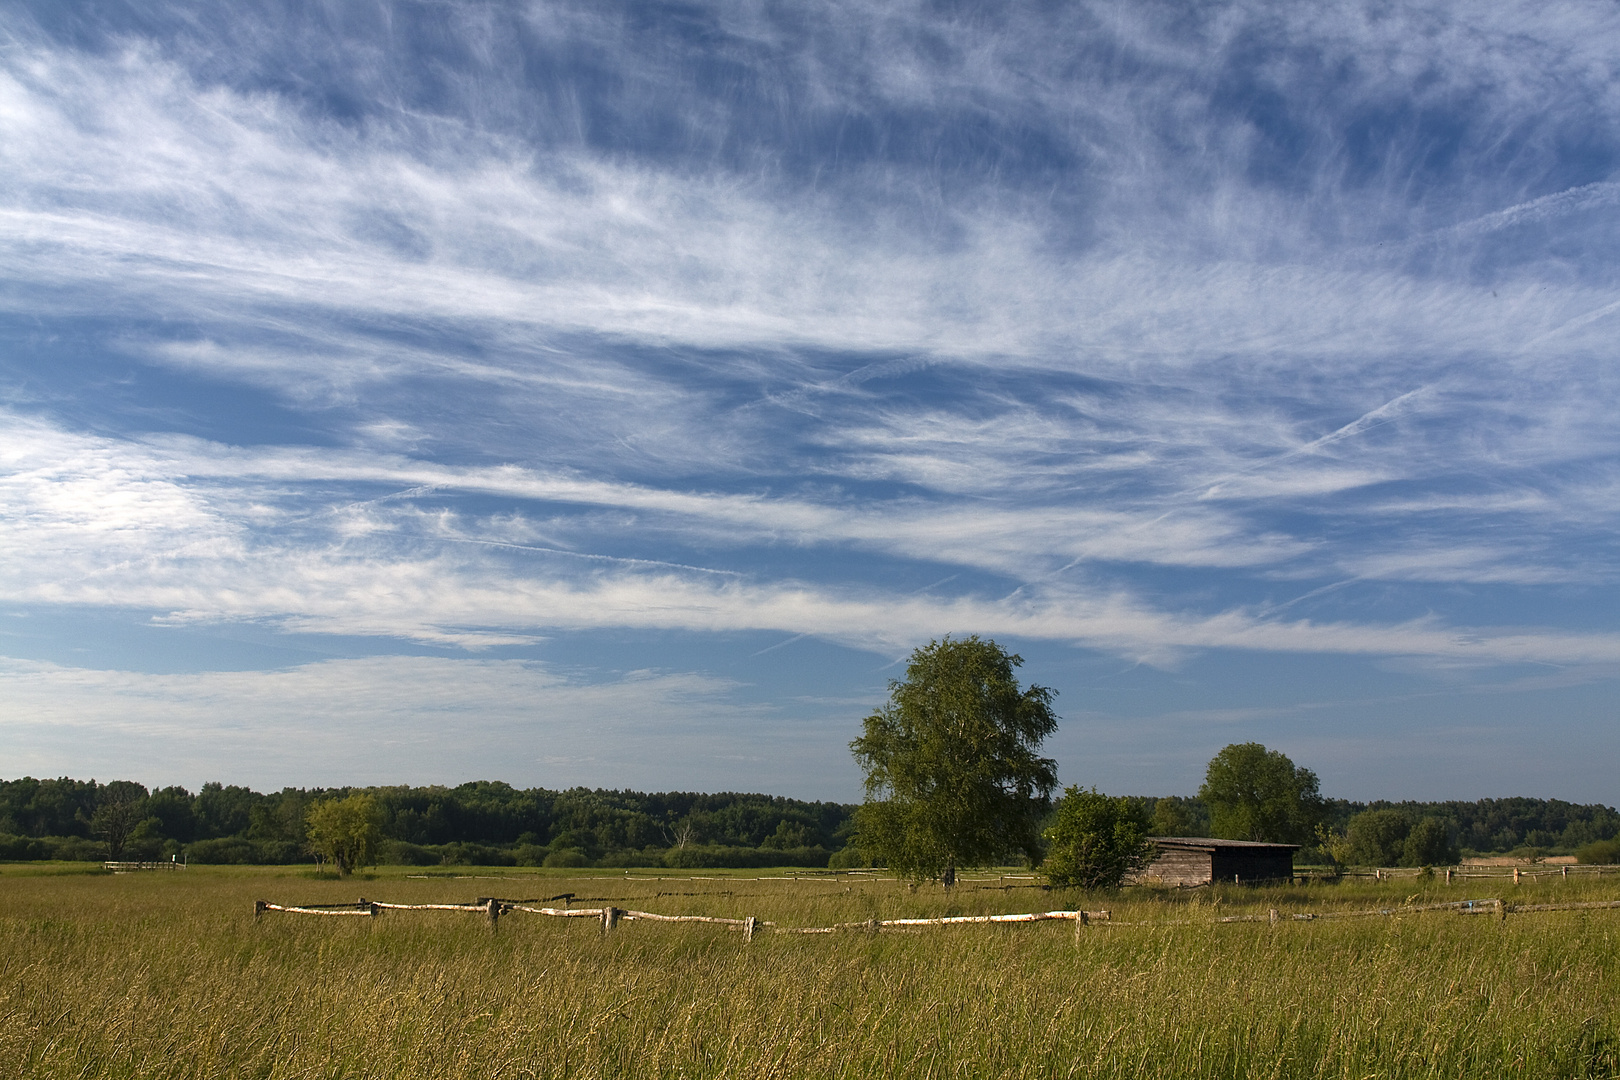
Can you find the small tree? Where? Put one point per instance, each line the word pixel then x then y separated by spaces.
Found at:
pixel 1258 794
pixel 953 777
pixel 1378 837
pixel 1430 843
pixel 120 808
pixel 1334 844
pixel 344 831
pixel 1096 842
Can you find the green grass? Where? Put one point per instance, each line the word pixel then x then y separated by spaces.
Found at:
pixel 168 975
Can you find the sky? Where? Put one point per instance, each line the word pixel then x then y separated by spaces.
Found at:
pixel 615 393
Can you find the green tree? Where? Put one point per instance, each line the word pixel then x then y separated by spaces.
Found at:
pixel 119 810
pixel 1334 844
pixel 953 773
pixel 1095 842
pixel 1259 794
pixel 1378 837
pixel 344 831
pixel 1430 843
pixel 1173 816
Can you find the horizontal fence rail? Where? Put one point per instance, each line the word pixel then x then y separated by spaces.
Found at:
pixel 1470 871
pixel 494 908
pixel 122 867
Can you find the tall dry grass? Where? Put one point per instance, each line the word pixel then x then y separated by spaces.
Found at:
pixel 167 975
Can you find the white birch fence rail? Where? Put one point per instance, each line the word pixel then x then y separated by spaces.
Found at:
pixel 494 908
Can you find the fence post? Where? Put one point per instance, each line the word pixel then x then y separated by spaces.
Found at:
pixel 1515 875
pixel 872 925
pixel 1565 870
pixel 494 908
pixel 1273 915
pixel 1378 875
pixel 1448 875
pixel 1501 910
pixel 748 929
pixel 258 909
pixel 610 918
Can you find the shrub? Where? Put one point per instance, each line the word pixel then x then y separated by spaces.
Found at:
pixel 228 850
pixel 706 856
pixel 530 854
pixel 403 853
pixel 567 857
pixel 1430 843
pixel 1096 841
pixel 20 848
pixel 459 853
pixel 849 857
pixel 632 857
pixel 74 848
pixel 1600 853
pixel 1378 838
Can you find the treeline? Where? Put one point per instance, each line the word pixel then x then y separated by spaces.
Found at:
pixel 493 824
pixel 484 823
pixel 1393 833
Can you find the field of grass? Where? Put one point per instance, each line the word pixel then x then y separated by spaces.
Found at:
pixel 168 975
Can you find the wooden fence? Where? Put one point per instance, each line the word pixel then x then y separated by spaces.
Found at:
pixel 118 867
pixel 495 908
pixel 1452 874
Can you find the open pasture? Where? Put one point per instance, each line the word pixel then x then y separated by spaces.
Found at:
pixel 168 975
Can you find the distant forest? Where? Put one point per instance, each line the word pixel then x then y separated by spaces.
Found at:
pixel 494 824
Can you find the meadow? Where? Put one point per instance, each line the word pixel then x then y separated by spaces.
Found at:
pixel 169 975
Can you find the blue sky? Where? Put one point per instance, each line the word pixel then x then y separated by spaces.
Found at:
pixel 613 394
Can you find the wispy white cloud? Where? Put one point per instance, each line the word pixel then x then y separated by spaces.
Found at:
pixel 1110 319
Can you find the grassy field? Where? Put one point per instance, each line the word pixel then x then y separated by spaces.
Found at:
pixel 168 975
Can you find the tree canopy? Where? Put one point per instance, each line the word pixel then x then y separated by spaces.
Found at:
pixel 1259 794
pixel 1393 838
pixel 344 831
pixel 954 777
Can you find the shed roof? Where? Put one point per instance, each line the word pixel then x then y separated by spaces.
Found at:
pixel 1206 843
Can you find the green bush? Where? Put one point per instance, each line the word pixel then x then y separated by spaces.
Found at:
pixel 229 850
pixel 458 853
pixel 849 857
pixel 1600 853
pixel 567 857
pixel 1096 841
pixel 713 857
pixel 1430 843
pixel 75 848
pixel 21 848
pixel 402 853
pixel 530 854
pixel 631 857
pixel 1378 838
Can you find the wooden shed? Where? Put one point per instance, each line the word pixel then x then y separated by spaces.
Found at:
pixel 1199 860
